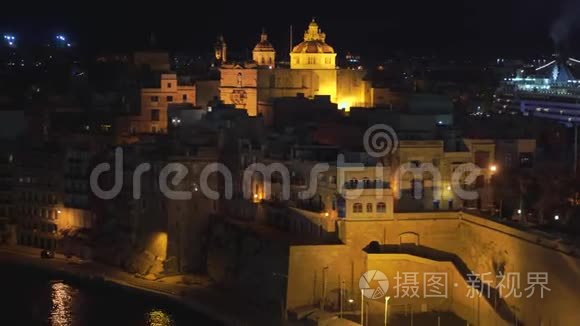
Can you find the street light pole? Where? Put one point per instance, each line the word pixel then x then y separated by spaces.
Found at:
pixel 575 149
pixel 341 297
pixel 386 309
pixel 362 304
pixel 323 302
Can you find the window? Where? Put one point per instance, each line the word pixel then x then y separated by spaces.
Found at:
pixel 369 208
pixel 169 98
pixel 327 61
pixel 154 98
pixel 311 60
pixel 381 207
pixel 168 85
pixel 526 160
pixel 184 97
pixel 357 208
pixel 154 129
pixel 155 115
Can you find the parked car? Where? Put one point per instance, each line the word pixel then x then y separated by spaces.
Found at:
pixel 47 254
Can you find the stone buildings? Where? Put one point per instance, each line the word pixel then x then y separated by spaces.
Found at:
pixel 312 71
pixel 280 247
pixel 155 101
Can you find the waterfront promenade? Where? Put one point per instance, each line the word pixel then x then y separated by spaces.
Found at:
pixel 220 305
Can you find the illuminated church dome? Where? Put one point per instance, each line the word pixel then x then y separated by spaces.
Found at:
pixel 313 52
pixel 264 53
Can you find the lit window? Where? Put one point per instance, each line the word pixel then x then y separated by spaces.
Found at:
pixel 381 207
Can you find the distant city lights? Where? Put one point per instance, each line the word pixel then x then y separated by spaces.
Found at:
pixel 10 39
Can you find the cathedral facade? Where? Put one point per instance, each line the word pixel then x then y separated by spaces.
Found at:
pixel 313 71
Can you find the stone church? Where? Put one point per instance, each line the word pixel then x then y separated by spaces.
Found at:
pixel 313 71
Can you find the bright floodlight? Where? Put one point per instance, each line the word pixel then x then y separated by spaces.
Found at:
pixel 556 217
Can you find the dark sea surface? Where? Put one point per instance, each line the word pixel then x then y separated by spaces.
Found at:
pixel 34 297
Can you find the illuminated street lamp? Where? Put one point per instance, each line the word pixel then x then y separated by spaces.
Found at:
pixel 556 217
pixel 519 212
pixel 493 168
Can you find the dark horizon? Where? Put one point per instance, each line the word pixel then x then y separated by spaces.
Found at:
pixel 454 29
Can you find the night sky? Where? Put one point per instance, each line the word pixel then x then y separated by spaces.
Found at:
pixel 455 28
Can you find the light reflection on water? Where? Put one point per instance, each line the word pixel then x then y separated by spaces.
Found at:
pixel 62 298
pixel 159 318
pixel 36 298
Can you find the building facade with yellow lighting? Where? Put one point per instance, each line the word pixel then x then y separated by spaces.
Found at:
pixel 313 71
pixel 152 117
